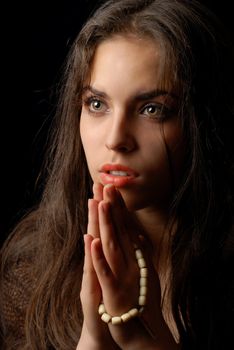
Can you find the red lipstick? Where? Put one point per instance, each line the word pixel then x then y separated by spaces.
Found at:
pixel 117 175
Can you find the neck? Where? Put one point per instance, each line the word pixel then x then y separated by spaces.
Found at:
pixel 154 224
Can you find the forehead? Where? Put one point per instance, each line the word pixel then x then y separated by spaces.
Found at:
pixel 129 42
pixel 126 56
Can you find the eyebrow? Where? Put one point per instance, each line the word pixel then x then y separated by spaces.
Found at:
pixel 142 96
pixel 94 91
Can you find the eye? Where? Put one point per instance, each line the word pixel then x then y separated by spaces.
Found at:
pixel 94 105
pixel 151 110
pixel 154 110
pixel 157 111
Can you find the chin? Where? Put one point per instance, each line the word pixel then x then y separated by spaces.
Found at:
pixel 132 201
pixel 135 201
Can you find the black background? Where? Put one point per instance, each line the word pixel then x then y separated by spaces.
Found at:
pixel 35 39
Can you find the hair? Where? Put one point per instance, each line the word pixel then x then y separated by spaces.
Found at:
pixel 196 55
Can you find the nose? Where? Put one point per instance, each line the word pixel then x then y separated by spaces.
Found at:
pixel 120 137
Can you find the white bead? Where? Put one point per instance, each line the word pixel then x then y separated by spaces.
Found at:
pixel 143 291
pixel 142 300
pixel 125 317
pixel 101 309
pixel 116 320
pixel 144 272
pixel 133 312
pixel 143 282
pixel 138 254
pixel 141 263
pixel 105 317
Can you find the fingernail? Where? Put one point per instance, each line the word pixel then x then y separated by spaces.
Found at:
pixel 108 186
pixel 110 190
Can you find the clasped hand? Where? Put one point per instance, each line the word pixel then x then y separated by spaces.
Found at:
pixel 111 275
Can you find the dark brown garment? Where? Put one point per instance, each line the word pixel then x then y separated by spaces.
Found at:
pixel 16 289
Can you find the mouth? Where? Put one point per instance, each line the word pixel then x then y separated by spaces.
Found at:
pixel 117 174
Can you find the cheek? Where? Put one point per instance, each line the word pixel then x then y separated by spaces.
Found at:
pixel 87 135
pixel 91 131
pixel 90 142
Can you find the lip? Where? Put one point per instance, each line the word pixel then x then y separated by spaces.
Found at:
pixel 117 180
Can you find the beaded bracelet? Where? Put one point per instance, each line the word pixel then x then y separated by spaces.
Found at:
pixel 134 312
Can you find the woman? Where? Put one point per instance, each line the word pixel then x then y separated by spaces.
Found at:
pixel 139 169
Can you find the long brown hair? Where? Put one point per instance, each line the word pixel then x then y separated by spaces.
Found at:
pixel 53 232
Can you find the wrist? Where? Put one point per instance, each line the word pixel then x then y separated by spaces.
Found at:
pixel 88 341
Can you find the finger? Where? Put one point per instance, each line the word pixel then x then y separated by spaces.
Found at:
pixel 110 244
pixel 93 221
pixel 91 296
pixel 111 291
pixel 98 191
pixel 90 288
pixel 120 216
pixel 101 266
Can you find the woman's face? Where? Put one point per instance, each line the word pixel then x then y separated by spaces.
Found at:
pixel 129 126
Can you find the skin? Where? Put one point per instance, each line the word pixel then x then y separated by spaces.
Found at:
pixel 122 124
